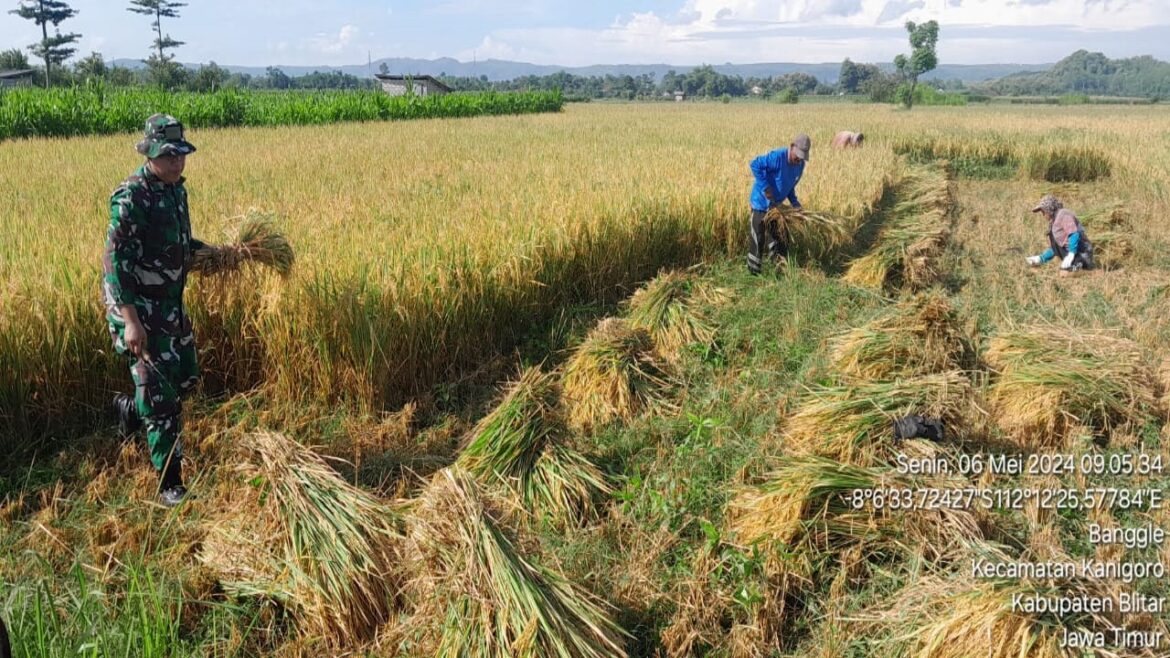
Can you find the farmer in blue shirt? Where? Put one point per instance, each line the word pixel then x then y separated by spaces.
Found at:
pixel 776 174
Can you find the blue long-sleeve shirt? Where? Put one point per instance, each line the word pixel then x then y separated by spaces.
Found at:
pixel 1074 243
pixel 772 170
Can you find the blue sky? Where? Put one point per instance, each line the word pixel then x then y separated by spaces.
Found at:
pixel 575 33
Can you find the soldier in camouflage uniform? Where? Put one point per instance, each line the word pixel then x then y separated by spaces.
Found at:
pixel 147 258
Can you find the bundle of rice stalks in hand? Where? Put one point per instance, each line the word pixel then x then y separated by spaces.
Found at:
pixel 257 241
pixel 921 336
pixel 819 232
pixel 612 375
pixel 477 596
pixel 302 536
pixel 671 308
pixel 854 423
pixel 521 443
pixel 908 247
pixel 1051 380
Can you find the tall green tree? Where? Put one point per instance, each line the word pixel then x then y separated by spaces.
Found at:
pixel 923 56
pixel 53 49
pixel 13 59
pixel 92 67
pixel 160 9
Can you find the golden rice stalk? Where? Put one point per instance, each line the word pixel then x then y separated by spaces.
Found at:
pixel 257 241
pixel 671 308
pixel 806 517
pixel 938 618
pixel 921 336
pixel 908 247
pixel 477 596
pixel 1052 380
pixel 1108 228
pixel 854 423
pixel 304 537
pixel 818 232
pixel 521 443
pixel 612 375
pixel 798 491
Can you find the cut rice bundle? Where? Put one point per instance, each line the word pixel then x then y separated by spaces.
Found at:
pixel 854 423
pixel 302 536
pixel 1053 380
pixel 522 444
pixel 612 375
pixel 477 596
pixel 807 518
pixel 672 308
pixel 908 247
pixel 959 617
pixel 922 336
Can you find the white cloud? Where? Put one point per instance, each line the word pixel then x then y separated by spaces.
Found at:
pixel 717 31
pixel 333 44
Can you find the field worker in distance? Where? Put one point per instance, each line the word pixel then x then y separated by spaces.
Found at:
pixel 846 139
pixel 1066 237
pixel 147 259
pixel 776 174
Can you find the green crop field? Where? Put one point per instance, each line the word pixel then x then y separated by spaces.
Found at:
pixel 519 396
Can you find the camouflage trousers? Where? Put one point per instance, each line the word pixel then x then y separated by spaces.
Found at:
pixel 160 385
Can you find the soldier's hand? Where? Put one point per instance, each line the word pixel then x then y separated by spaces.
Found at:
pixel 135 338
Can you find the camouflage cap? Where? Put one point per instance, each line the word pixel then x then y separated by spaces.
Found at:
pixel 1048 204
pixel 164 136
pixel 801 145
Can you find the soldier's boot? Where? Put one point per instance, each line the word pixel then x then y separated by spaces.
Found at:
pixel 171 491
pixel 126 413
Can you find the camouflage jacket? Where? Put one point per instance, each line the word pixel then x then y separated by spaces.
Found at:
pixel 148 245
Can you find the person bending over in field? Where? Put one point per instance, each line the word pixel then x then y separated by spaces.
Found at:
pixel 147 259
pixel 1066 237
pixel 846 139
pixel 776 174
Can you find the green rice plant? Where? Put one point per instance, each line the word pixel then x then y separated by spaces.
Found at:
pixel 81 616
pixel 853 423
pixel 1064 164
pixel 612 375
pixel 300 535
pixel 671 308
pixel 521 443
pixel 1053 380
pixel 476 595
pixel 921 336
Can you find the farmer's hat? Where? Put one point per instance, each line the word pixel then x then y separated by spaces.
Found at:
pixel 164 136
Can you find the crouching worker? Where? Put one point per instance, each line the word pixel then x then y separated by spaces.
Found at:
pixel 846 139
pixel 147 259
pixel 776 174
pixel 1066 237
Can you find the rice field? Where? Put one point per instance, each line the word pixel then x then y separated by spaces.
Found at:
pixel 507 390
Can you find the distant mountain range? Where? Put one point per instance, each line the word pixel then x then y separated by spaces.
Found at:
pixel 496 69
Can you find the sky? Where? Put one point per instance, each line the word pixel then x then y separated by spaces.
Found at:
pixel 576 33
